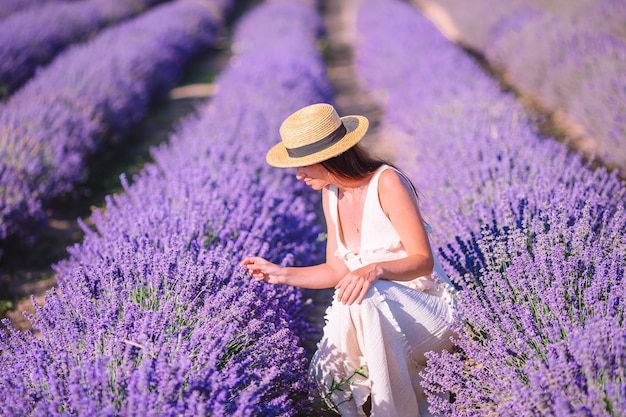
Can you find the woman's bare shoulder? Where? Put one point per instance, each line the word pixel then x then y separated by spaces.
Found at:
pixel 394 183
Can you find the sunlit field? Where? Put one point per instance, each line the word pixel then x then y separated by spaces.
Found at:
pixel 509 117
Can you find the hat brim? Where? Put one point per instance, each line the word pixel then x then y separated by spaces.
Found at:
pixel 356 127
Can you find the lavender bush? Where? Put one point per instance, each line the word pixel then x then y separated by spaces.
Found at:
pixel 576 69
pixel 153 315
pixel 533 236
pixel 91 95
pixel 479 28
pixel 569 54
pixel 11 6
pixel 23 49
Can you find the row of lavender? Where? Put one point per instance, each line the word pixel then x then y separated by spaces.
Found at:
pixel 570 54
pixel 533 236
pixel 58 24
pixel 153 315
pixel 12 6
pixel 92 94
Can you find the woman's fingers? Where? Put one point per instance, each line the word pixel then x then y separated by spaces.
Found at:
pixel 352 289
pixel 355 294
pixel 346 290
pixel 255 266
pixel 252 260
pixel 258 276
pixel 362 295
pixel 254 263
pixel 261 269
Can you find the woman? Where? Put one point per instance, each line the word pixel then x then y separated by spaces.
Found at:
pixel 388 310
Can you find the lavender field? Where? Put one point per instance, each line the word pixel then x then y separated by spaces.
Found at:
pixel 533 236
pixel 567 56
pixel 59 24
pixel 12 6
pixel 91 95
pixel 151 313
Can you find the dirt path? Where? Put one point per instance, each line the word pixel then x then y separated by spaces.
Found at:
pixel 350 97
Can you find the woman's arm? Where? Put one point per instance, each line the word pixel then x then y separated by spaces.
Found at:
pixel 399 204
pixel 398 201
pixel 325 275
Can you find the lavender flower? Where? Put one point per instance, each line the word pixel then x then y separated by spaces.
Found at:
pixel 90 95
pixel 153 315
pixel 532 235
pixel 569 56
pixel 31 38
pixel 12 6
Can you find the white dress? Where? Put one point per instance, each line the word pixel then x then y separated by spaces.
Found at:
pixel 377 347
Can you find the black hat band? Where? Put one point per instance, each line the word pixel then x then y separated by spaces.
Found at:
pixel 319 145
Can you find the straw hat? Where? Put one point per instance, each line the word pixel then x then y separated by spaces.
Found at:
pixel 314 134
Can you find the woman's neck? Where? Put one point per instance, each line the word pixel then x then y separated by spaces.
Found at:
pixel 352 187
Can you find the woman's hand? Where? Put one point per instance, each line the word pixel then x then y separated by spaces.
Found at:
pixel 354 285
pixel 263 270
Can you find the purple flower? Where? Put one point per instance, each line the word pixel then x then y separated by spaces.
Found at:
pixel 91 95
pixel 530 233
pixel 153 314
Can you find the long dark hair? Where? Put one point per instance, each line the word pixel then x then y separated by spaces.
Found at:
pixel 357 163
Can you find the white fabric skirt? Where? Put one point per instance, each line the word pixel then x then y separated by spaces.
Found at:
pixel 377 349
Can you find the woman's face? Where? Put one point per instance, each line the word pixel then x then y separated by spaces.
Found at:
pixel 315 176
